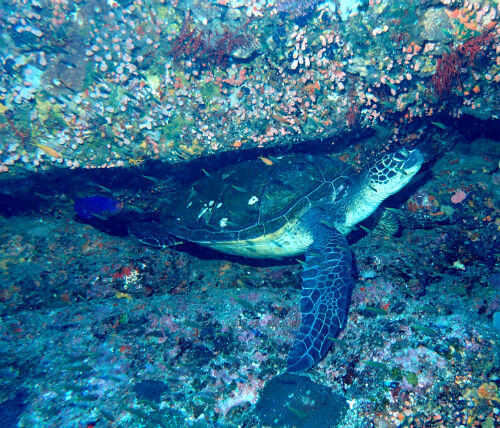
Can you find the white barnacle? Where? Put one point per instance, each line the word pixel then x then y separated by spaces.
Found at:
pixel 211 203
pixel 223 222
pixel 252 200
pixel 203 211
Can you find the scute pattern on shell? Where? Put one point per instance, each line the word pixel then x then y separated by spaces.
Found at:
pixel 217 206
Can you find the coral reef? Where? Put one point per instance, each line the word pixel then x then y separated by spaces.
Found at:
pixel 450 65
pixel 206 46
pixel 99 86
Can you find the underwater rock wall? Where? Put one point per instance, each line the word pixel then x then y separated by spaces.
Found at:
pixel 94 84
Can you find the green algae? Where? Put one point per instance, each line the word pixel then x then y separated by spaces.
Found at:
pixel 174 128
pixel 165 13
pixel 208 92
pixel 396 374
pixel 411 378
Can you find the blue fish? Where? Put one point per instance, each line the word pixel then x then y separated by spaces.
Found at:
pixel 100 207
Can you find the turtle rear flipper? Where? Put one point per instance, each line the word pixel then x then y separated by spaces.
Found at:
pixel 152 234
pixel 327 283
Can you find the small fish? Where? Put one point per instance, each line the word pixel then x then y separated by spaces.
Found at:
pixel 239 189
pixel 137 108
pixel 447 33
pixel 206 399
pixel 376 364
pixel 49 95
pixel 375 310
pixel 89 397
pixel 139 209
pixel 440 125
pixel 137 412
pixel 131 95
pixel 391 85
pixel 192 324
pixel 297 412
pixel 100 207
pixel 67 63
pixel 267 161
pixel 107 415
pixel 49 151
pixel 231 223
pixel 335 340
pixel 100 217
pixel 73 387
pixel 42 196
pixel 104 188
pixel 153 179
pixel 394 210
pixel 365 229
pixel 424 330
pixel 328 224
pixel 121 295
pixel 244 303
pixel 302 263
pixel 438 139
pixel 402 171
pixel 206 173
pixel 282 119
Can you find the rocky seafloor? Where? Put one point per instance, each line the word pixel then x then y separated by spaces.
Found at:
pixel 98 330
pixel 132 99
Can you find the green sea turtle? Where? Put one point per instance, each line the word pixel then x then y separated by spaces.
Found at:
pixel 296 204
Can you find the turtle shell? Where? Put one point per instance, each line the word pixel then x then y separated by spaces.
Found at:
pixel 254 198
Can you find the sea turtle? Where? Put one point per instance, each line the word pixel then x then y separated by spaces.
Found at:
pixel 291 205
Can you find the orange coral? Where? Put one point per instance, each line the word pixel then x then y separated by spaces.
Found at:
pixel 488 391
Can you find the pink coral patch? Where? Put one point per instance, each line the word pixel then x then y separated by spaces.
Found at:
pixel 458 197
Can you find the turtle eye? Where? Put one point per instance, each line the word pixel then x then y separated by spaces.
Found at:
pixel 401 156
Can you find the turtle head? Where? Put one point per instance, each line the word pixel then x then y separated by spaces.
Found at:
pixel 383 179
pixel 394 171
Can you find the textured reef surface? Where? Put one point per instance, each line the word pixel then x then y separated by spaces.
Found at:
pixel 98 84
pixel 108 107
pixel 97 329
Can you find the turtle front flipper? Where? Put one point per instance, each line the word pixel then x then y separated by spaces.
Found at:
pixel 326 293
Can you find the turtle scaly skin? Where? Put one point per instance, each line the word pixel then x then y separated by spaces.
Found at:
pixel 327 283
pixel 300 204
